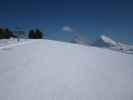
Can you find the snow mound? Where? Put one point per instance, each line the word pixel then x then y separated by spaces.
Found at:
pixel 52 70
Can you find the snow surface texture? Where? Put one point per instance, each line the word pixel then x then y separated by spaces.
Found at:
pixel 51 70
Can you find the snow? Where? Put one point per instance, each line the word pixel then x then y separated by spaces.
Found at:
pixel 52 70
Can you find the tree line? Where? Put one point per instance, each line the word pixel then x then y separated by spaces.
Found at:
pixel 6 33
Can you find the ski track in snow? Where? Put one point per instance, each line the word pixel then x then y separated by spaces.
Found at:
pixel 51 70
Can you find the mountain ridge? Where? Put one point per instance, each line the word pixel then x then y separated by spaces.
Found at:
pixel 106 42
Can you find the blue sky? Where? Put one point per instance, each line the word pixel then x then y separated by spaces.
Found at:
pixel 90 18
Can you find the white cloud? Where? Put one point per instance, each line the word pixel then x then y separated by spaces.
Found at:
pixel 67 29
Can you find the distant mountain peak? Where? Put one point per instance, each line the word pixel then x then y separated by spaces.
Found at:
pixel 108 40
pixel 105 41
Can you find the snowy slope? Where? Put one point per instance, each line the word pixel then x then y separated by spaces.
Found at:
pixel 51 70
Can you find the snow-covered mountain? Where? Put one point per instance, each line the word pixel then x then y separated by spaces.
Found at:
pixel 104 41
pixel 125 48
pixel 52 70
pixel 107 42
pixel 78 39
